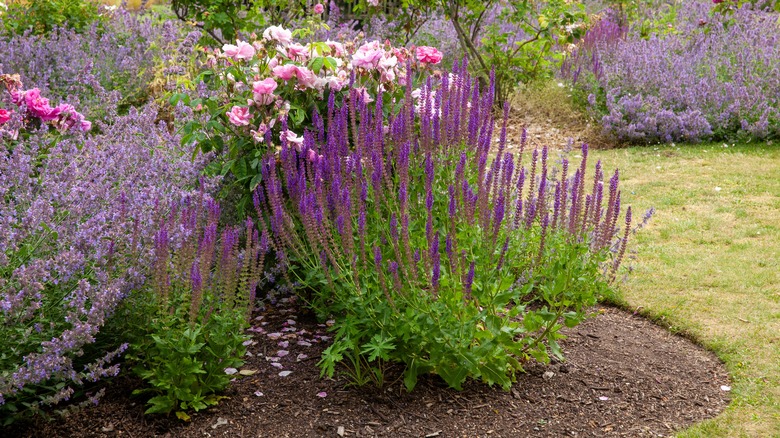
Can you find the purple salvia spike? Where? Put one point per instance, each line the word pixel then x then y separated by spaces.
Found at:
pixel 469 282
pixel 623 243
pixel 504 250
pixel 196 282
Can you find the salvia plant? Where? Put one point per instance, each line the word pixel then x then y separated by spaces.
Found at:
pixel 431 245
pixel 196 307
pixel 75 237
pixel 712 79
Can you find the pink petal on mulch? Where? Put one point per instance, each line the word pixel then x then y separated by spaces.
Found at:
pixel 301 357
pixel 274 336
pixel 322 394
pixel 304 343
pixel 285 373
pixel 284 344
pixel 258 393
pixel 277 365
pixel 282 353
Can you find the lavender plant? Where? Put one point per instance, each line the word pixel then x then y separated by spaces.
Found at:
pixel 75 217
pixel 196 308
pixel 713 79
pixel 428 252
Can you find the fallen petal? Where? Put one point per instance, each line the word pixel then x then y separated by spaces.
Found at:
pixel 285 373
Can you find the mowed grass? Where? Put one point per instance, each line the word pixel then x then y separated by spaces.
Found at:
pixel 708 264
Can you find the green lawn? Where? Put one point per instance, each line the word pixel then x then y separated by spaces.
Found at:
pixel 708 265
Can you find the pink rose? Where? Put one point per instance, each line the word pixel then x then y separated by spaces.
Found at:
pixel 297 51
pixel 336 47
pixel 239 115
pixel 242 50
pixel 39 106
pixel 335 83
pixel 264 91
pixel 17 97
pixel 318 8
pixel 259 135
pixel 306 77
pixel 368 55
pixel 278 34
pixel 5 115
pixel 285 72
pixel 292 138
pixel 69 118
pixel 429 55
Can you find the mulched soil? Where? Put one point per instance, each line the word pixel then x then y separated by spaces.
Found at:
pixel 623 376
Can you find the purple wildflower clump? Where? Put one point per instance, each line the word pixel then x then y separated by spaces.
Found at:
pixel 417 231
pixel 715 78
pixel 201 293
pixel 76 237
pixel 125 59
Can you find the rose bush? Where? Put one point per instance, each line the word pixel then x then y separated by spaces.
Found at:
pixel 268 91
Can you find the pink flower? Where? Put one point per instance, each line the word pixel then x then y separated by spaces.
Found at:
pixel 336 47
pixel 39 106
pixel 242 50
pixel 336 83
pixel 259 135
pixel 373 2
pixel 292 139
pixel 297 51
pixel 239 115
pixel 368 55
pixel 17 97
pixel 5 115
pixel 285 72
pixel 318 8
pixel 306 77
pixel 263 91
pixel 278 34
pixel 429 55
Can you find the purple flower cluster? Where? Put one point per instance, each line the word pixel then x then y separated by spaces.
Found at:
pixel 714 78
pixel 126 54
pixel 368 197
pixel 76 235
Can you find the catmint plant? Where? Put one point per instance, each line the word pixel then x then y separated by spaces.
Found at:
pixel 713 78
pixel 75 238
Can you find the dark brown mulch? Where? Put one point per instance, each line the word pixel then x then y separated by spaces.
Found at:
pixel 623 376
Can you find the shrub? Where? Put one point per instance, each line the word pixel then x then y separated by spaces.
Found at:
pixel 428 253
pixel 40 17
pixel 189 336
pixel 713 79
pixel 257 85
pixel 75 211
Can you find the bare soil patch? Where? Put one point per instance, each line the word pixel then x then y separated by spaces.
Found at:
pixel 623 376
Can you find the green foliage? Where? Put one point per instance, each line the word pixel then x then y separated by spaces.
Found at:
pixel 42 16
pixel 184 363
pixel 520 39
pixel 223 19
